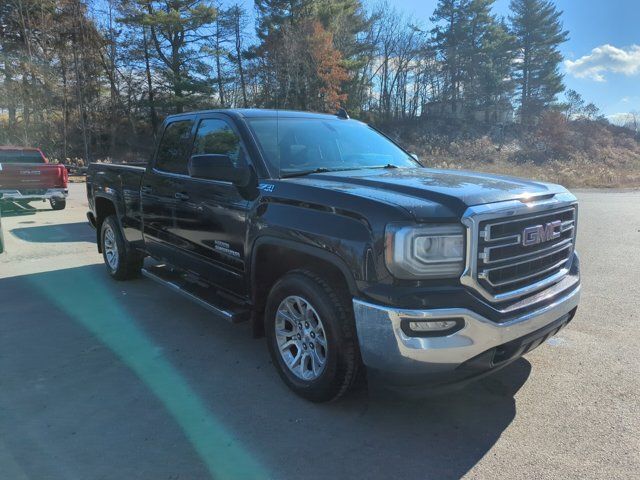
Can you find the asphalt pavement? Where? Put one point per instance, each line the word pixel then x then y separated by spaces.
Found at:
pixel 126 380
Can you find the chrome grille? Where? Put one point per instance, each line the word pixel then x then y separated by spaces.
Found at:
pixel 504 263
pixel 500 266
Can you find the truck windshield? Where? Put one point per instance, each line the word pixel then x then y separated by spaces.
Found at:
pixel 299 145
pixel 20 156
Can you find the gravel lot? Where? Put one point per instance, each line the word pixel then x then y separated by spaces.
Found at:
pixel 106 380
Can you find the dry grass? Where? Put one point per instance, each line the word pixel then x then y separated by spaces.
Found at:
pixel 574 154
pixel 575 173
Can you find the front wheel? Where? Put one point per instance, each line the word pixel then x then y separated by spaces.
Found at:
pixel 58 203
pixel 311 336
pixel 122 264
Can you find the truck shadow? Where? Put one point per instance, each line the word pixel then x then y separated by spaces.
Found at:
pixel 111 379
pixel 60 233
pixel 11 209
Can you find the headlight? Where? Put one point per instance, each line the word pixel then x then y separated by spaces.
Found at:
pixel 424 251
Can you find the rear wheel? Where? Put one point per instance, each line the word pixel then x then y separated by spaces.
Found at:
pixel 58 203
pixel 311 336
pixel 122 264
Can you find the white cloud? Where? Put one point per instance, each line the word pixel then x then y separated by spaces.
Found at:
pixel 621 118
pixel 606 58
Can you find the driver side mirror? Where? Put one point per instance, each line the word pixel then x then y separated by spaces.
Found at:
pixel 218 167
pixel 415 156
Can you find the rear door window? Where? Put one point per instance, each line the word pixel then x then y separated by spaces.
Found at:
pixel 174 147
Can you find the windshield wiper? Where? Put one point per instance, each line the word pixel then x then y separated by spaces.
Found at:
pixel 387 166
pixel 325 170
pixel 306 172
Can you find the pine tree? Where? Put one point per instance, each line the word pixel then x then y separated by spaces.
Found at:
pixel 176 29
pixel 496 87
pixel 450 17
pixel 539 33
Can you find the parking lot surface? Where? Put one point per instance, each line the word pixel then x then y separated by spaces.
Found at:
pixel 108 380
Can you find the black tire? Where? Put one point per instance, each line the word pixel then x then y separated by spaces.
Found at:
pixel 127 263
pixel 342 355
pixel 57 203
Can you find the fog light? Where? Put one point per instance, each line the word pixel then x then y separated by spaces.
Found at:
pixel 432 326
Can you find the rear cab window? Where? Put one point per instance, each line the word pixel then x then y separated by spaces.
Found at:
pixel 21 156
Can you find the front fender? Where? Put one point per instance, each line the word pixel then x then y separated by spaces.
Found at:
pixel 346 241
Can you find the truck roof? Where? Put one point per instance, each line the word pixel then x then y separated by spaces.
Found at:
pixel 16 148
pixel 260 112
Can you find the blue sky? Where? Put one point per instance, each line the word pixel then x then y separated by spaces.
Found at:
pixel 603 50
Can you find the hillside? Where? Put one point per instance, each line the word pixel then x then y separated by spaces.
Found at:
pixel 574 153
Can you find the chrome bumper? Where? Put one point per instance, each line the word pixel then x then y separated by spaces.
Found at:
pixel 46 195
pixel 385 347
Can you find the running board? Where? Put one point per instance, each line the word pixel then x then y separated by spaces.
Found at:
pixel 200 294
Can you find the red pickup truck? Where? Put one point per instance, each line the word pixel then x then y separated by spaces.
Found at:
pixel 27 175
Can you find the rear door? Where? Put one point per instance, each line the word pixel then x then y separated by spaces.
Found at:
pixel 162 192
pixel 216 230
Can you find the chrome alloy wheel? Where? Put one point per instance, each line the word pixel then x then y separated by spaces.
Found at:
pixel 110 248
pixel 301 338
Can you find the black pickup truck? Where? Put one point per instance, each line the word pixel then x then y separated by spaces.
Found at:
pixel 340 248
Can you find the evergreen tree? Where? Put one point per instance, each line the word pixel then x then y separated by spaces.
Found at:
pixel 495 85
pixel 450 17
pixel 539 33
pixel 176 29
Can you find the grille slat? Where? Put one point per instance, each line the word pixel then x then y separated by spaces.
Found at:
pixel 487 258
pixel 505 263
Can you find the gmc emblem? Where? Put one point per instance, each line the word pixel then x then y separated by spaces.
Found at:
pixel 541 233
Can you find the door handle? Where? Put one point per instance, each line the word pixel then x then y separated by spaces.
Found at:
pixel 181 196
pixel 146 189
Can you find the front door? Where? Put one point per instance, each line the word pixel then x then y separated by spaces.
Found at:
pixel 217 227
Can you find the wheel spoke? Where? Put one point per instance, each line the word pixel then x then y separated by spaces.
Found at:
pixel 320 340
pixel 303 365
pixel 316 364
pixel 316 358
pixel 301 308
pixel 297 360
pixel 287 317
pixel 287 345
pixel 291 311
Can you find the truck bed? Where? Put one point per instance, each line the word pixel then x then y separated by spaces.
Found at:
pixel 120 184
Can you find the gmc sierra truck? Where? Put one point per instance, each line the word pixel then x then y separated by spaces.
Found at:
pixel 340 248
pixel 26 175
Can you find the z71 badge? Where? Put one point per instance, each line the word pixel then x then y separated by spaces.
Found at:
pixel 266 187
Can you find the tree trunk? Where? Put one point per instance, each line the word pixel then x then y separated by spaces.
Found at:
pixel 218 65
pixel 150 95
pixel 65 110
pixel 238 35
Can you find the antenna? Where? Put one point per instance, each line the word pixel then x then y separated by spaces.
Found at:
pixel 342 113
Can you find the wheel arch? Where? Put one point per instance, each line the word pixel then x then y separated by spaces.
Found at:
pixel 273 257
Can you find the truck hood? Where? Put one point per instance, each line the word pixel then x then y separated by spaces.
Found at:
pixel 418 189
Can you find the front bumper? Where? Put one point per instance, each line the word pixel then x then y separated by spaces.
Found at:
pixel 42 194
pixel 480 346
